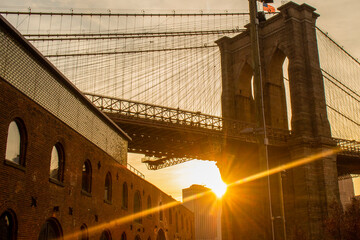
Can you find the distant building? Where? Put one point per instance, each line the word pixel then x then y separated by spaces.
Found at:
pixel 346 190
pixel 63 163
pixel 207 212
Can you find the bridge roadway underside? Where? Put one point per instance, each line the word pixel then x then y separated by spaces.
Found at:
pixel 347 164
pixel 158 139
pixel 168 140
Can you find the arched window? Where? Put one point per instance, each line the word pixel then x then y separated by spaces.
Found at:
pixel 8 226
pixel 57 162
pixel 176 222
pixel 182 222
pixel 86 176
pixel 16 143
pixel 161 212
pixel 84 232
pixel 137 237
pixel 137 205
pixel 161 235
pixel 123 236
pixel 50 230
pixel 170 216
pixel 108 187
pixel 149 204
pixel 105 235
pixel 125 196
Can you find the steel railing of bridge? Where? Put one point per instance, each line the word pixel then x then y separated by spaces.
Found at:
pixel 134 170
pixel 187 119
pixel 348 147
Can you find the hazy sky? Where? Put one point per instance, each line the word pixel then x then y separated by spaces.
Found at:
pixel 337 17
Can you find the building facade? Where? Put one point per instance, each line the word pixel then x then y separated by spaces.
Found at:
pixel 207 212
pixel 63 163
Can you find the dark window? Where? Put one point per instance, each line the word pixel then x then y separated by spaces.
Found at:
pixel 182 222
pixel 16 143
pixel 137 237
pixel 125 195
pixel 161 213
pixel 8 226
pixel 50 230
pixel 161 235
pixel 108 187
pixel 86 176
pixel 57 162
pixel 123 236
pixel 149 204
pixel 84 232
pixel 176 222
pixel 137 205
pixel 105 235
pixel 170 216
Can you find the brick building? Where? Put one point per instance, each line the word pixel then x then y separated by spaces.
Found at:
pixel 63 162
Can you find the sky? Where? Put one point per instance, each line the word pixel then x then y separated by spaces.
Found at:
pixel 337 17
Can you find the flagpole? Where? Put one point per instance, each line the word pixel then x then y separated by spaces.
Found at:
pixel 259 103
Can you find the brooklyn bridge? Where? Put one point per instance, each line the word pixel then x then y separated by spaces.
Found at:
pixel 181 85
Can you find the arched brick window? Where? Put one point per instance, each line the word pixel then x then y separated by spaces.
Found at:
pixel 125 195
pixel 161 235
pixel 84 232
pixel 86 177
pixel 161 212
pixel 123 236
pixel 108 187
pixel 16 142
pixel 8 225
pixel 170 216
pixel 57 162
pixel 182 222
pixel 137 205
pixel 149 204
pixel 105 235
pixel 177 222
pixel 50 230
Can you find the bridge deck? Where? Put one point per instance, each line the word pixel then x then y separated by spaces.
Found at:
pixel 187 135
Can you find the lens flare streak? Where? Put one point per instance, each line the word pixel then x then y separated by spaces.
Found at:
pixel 134 216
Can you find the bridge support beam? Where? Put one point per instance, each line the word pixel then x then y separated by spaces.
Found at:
pixel 309 190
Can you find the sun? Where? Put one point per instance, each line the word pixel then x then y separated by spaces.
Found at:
pixel 219 188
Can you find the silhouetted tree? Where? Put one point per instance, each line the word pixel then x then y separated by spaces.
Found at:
pixel 344 225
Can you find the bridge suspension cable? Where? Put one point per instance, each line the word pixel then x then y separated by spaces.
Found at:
pixel 341 74
pixel 166 58
pixel 169 58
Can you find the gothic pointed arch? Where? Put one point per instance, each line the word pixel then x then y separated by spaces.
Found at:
pixel 137 205
pixel 274 92
pixel 161 235
pixel 51 229
pixel 244 97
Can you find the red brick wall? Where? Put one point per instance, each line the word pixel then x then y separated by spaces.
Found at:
pixel 19 186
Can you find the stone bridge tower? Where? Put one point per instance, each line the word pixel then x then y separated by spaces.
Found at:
pixel 308 190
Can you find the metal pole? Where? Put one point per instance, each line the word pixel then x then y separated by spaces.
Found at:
pixel 259 101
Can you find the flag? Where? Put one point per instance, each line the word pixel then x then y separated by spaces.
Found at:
pixel 268 8
pixel 266 1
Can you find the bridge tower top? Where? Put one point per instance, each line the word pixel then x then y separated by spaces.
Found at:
pixel 290 34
